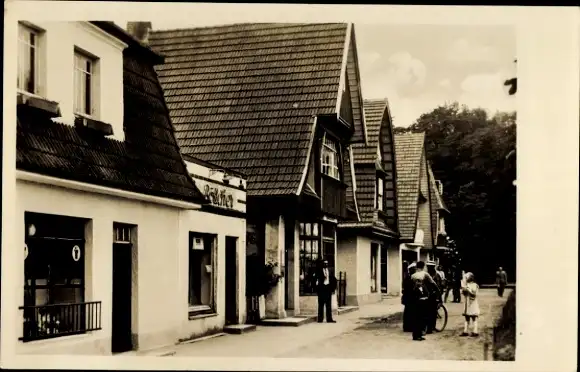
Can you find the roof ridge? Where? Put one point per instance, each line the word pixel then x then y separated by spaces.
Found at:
pixel 280 24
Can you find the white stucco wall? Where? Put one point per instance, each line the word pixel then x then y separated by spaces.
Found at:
pixel 162 247
pixel 347 262
pixel 354 257
pixel 56 63
pixel 222 226
pixel 394 270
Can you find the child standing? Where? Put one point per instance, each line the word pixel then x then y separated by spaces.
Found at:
pixel 471 312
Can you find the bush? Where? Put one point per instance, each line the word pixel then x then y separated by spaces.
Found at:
pixel 505 331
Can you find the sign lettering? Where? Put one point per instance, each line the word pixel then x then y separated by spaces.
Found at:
pixel 76 253
pixel 219 196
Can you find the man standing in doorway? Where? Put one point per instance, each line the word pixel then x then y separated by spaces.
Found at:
pixel 326 285
pixel 500 281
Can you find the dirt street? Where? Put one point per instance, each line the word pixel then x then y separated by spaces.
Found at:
pixel 382 337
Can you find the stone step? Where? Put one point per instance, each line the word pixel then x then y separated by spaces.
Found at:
pixel 238 329
pixel 347 309
pixel 294 321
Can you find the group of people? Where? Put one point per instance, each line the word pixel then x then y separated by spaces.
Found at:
pixel 423 291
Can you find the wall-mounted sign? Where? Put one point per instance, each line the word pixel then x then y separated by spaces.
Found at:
pixel 76 253
pixel 25 251
pixel 219 196
pixel 197 244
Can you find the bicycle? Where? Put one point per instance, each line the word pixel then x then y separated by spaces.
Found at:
pixel 442 317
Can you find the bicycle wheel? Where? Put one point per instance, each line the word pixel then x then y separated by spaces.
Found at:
pixel 441 322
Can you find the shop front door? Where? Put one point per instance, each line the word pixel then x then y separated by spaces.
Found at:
pixel 231 280
pixel 121 328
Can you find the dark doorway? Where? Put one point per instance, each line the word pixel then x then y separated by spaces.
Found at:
pixel 231 280
pixel 384 254
pixel 121 332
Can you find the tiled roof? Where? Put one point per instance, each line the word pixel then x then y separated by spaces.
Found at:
pixel 409 148
pixel 147 162
pixel 374 110
pixel 243 96
pixel 365 192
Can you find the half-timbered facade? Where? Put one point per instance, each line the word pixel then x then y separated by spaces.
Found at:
pixel 282 104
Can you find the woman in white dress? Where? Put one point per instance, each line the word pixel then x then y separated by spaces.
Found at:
pixel 470 290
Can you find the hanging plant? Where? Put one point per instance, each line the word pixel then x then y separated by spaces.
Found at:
pixel 272 274
pixel 261 277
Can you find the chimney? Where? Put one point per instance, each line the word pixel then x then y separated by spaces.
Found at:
pixel 439 187
pixel 140 30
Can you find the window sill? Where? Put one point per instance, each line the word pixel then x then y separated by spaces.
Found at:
pixel 200 311
pixel 36 102
pixel 31 95
pixel 196 316
pixel 59 338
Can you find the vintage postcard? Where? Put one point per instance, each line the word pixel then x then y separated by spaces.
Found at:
pixel 289 187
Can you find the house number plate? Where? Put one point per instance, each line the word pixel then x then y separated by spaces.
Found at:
pixel 76 253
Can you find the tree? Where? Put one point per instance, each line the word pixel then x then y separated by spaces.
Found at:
pixel 512 83
pixel 468 151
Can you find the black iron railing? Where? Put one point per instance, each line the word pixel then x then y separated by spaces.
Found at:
pixel 341 290
pixel 48 321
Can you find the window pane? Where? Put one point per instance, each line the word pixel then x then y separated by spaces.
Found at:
pixel 315 248
pixel 31 83
pixel 315 229
pixel 308 246
pixel 66 295
pixel 41 297
pixel 308 230
pixel 26 57
pixel 88 91
pixel 301 228
pixel 301 246
pixel 201 272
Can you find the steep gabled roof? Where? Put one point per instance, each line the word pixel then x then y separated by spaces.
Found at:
pixel 147 162
pixel 409 148
pixel 374 110
pixel 244 96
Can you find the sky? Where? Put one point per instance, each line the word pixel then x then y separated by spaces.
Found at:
pixel 419 67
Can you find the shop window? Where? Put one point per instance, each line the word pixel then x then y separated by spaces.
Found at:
pixel 374 260
pixel 54 278
pixel 309 240
pixel 201 273
pixel 329 244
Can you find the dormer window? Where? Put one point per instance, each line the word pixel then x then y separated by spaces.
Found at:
pixel 330 157
pixel 84 84
pixel 28 59
pixel 380 193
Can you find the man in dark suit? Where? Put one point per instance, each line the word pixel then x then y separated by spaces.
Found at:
pixel 325 285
